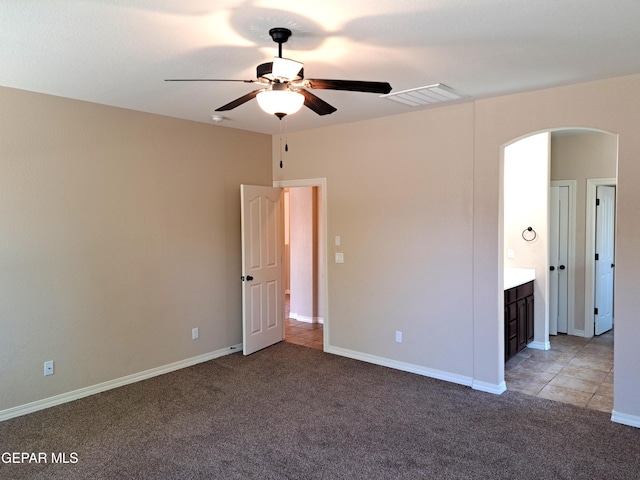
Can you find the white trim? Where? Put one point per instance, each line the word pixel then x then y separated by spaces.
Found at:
pixel 625 419
pixel 302 318
pixel 571 254
pixel 590 250
pixel 322 184
pixel 405 367
pixel 303 182
pixel 540 345
pixel 111 384
pixel 489 387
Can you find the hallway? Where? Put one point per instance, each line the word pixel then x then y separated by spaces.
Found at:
pixel 575 370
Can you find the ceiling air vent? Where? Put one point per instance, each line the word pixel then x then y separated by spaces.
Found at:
pixel 429 95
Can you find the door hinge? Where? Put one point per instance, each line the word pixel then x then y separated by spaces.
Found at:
pixel 597 202
pixel 595 311
pixel 597 257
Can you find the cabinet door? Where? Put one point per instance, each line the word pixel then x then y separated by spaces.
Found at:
pixel 529 302
pixel 522 323
pixel 511 330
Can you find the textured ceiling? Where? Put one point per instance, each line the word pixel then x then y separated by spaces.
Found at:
pixel 118 52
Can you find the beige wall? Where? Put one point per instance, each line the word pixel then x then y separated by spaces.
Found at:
pixel 582 156
pixel 399 193
pixel 120 232
pixel 417 200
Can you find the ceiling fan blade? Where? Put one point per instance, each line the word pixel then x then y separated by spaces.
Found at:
pixel 351 85
pixel 316 104
pixel 239 101
pixel 206 80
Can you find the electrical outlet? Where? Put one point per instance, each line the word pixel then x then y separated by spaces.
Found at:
pixel 195 333
pixel 398 336
pixel 339 257
pixel 48 368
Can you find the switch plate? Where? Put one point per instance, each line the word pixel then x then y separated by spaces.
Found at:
pixel 48 368
pixel 511 253
pixel 195 333
pixel 398 336
pixel 339 257
pixel 337 240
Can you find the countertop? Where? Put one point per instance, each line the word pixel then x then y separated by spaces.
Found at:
pixel 517 276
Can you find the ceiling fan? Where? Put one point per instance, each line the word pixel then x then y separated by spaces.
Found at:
pixel 283 85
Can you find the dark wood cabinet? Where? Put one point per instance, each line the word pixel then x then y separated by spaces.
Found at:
pixel 518 319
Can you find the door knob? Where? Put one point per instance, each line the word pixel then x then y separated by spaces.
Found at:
pixel 562 267
pixel 552 268
pixel 249 278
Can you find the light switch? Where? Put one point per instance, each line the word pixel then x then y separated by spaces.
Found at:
pixel 339 257
pixel 337 240
pixel 511 253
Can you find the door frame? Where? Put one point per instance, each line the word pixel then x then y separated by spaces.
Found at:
pixel 590 252
pixel 571 252
pixel 321 184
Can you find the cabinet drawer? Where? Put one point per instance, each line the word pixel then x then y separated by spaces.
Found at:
pixel 509 296
pixel 524 290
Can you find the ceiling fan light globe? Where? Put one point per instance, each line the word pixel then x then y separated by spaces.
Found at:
pixel 280 101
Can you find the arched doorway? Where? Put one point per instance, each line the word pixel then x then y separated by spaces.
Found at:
pixel 570 159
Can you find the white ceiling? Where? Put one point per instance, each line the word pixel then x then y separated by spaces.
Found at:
pixel 118 52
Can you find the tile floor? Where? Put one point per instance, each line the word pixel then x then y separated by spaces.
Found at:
pixel 302 333
pixel 575 370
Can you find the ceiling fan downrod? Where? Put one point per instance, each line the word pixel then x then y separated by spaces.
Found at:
pixel 280 35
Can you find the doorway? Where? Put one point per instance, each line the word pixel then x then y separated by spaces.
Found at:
pixel 580 159
pixel 306 320
pixel 303 316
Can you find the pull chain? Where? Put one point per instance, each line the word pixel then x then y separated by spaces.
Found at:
pixel 286 130
pixel 280 143
pixel 286 144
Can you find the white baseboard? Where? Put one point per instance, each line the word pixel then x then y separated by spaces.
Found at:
pixel 577 333
pixel 118 382
pixel 494 388
pixel 540 345
pixel 405 367
pixel 302 318
pixel 625 419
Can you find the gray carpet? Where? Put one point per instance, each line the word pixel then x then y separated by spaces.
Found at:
pixel 290 412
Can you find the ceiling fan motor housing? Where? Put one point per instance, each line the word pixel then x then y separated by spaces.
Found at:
pixel 265 71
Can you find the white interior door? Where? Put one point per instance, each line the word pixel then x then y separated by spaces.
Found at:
pixel 554 230
pixel 262 270
pixel 604 265
pixel 558 259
